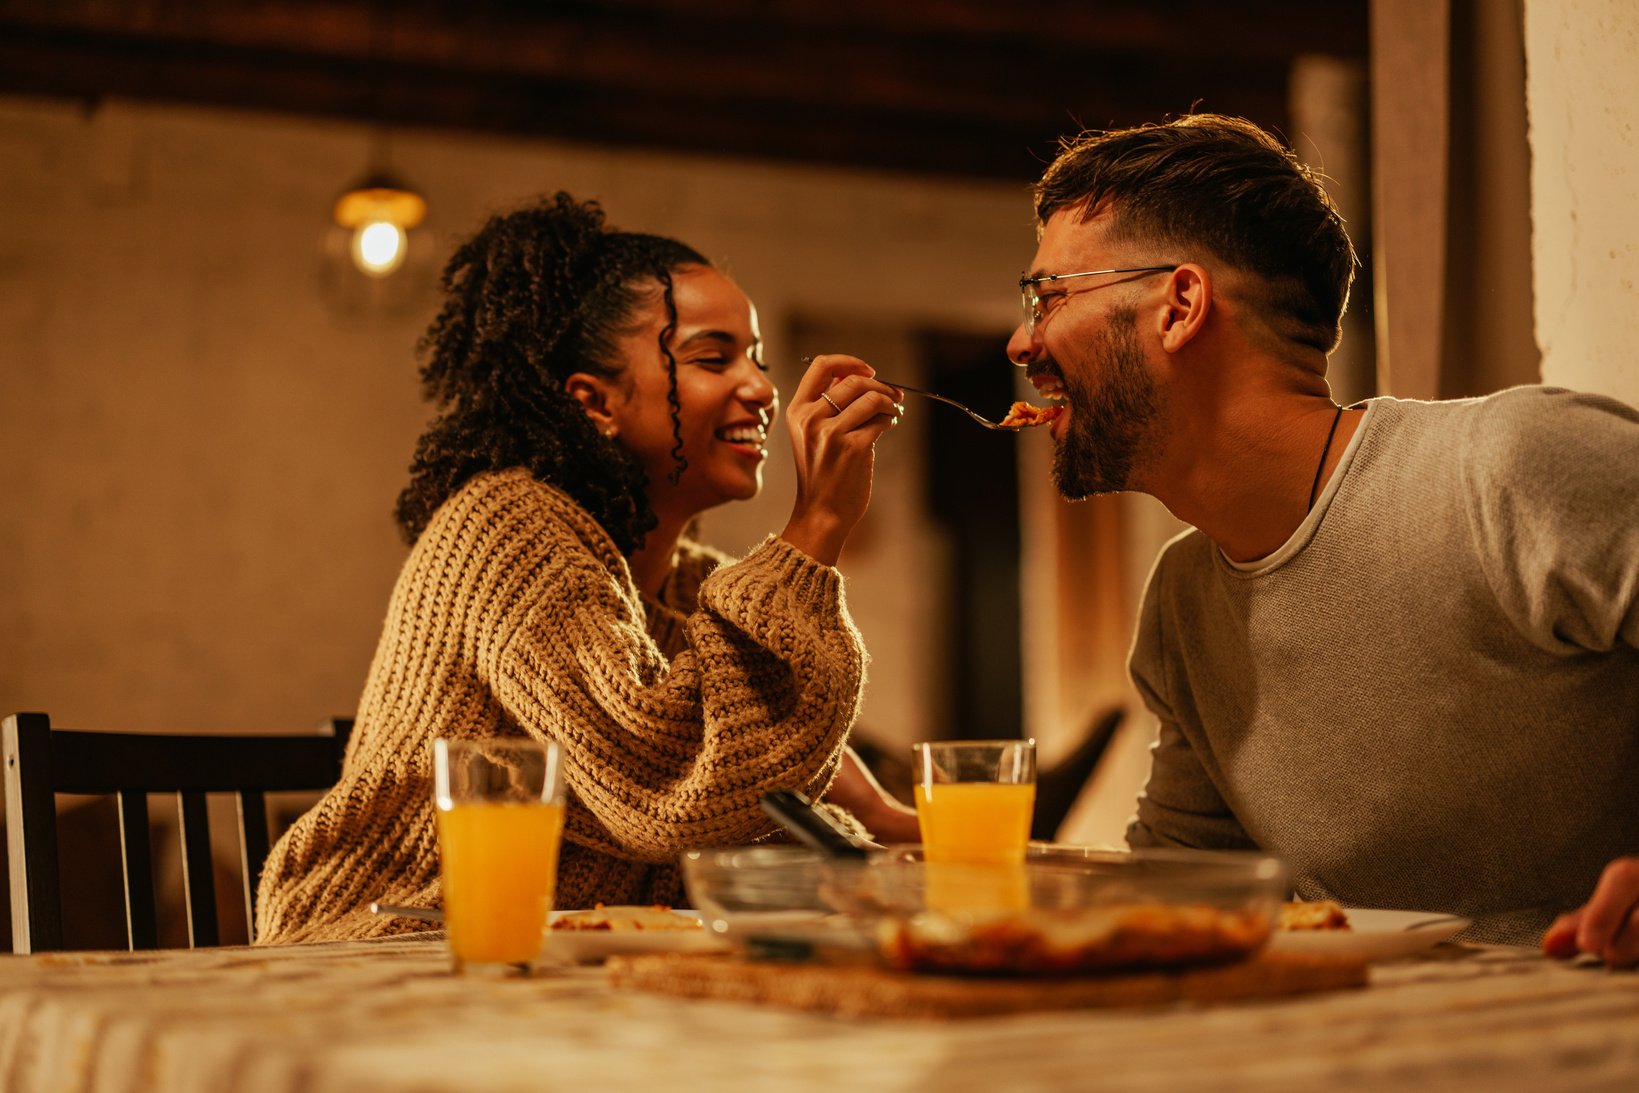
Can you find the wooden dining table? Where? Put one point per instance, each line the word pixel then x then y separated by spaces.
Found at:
pixel 391 1015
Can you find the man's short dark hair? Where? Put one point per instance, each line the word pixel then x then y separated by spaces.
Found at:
pixel 1223 185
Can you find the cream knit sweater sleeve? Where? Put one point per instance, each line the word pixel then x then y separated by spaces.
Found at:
pixel 515 614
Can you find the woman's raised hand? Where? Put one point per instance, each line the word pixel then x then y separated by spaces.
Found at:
pixel 838 411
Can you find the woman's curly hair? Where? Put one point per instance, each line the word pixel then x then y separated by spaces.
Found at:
pixel 536 295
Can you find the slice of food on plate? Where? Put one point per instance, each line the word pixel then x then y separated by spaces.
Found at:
pixel 1314 914
pixel 626 919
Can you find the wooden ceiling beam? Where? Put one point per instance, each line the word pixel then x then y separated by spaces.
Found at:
pixel 940 98
pixel 1267 30
pixel 966 78
pixel 1264 30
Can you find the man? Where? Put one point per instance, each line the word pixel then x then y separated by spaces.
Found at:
pixel 1399 647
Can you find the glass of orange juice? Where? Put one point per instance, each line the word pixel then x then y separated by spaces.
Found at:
pixel 500 822
pixel 974 800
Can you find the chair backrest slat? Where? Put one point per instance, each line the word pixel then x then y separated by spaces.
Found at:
pixel 137 862
pixel 253 848
pixel 198 868
pixel 31 835
pixel 42 762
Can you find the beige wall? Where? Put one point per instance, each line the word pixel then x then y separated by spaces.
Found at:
pixel 1452 210
pixel 1505 167
pixel 201 441
pixel 1583 95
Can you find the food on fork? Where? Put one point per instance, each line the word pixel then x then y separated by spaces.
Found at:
pixel 1025 415
pixel 624 918
pixel 1317 914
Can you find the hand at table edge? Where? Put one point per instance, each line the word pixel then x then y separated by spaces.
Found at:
pixel 1607 926
pixel 856 789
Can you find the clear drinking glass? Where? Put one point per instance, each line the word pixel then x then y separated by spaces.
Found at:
pixel 975 799
pixel 500 824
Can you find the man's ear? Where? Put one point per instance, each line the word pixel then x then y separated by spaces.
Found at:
pixel 1187 303
pixel 593 394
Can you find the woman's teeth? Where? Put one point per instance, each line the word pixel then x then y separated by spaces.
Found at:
pixel 744 434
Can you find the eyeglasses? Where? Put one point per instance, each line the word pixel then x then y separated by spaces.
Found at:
pixel 1035 307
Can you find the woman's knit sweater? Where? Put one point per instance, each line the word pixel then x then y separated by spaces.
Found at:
pixel 516 615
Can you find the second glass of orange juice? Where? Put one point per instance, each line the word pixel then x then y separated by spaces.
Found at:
pixel 500 823
pixel 974 802
pixel 975 799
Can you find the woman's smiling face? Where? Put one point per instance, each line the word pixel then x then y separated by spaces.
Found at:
pixel 725 399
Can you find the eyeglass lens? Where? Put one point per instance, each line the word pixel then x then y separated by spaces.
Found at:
pixel 1032 307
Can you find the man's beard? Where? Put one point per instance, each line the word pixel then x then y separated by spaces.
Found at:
pixel 1110 413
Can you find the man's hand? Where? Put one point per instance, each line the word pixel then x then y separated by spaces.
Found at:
pixel 1607 926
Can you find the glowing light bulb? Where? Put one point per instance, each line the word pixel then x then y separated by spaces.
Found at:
pixel 380 211
pixel 378 247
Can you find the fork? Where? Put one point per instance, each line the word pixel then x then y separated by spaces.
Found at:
pixel 980 418
pixel 426 914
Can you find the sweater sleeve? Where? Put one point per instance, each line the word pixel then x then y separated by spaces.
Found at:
pixel 1180 805
pixel 1553 504
pixel 666 753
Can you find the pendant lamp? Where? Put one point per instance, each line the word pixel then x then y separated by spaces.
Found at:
pixel 379 210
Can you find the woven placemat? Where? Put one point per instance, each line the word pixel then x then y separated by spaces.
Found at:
pixel 859 990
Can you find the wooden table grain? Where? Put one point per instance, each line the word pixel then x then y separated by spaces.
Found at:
pixel 389 1015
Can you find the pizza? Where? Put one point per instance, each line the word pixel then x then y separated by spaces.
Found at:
pixel 1316 914
pixel 1024 415
pixel 623 918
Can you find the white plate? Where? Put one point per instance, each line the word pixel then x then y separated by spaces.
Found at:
pixel 591 946
pixel 1376 935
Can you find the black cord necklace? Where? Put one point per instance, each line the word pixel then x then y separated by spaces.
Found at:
pixel 1324 452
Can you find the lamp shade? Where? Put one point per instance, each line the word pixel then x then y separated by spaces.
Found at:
pixel 380 197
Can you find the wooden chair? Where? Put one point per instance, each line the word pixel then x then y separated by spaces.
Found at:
pixel 42 762
pixel 1059 786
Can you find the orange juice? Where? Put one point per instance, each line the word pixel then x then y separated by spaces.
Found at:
pixel 975 822
pixel 972 892
pixel 499 861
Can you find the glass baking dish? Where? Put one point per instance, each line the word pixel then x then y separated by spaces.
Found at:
pixel 1067 910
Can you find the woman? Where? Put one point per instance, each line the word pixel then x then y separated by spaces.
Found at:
pixel 599 390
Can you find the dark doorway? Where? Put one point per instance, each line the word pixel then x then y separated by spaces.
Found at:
pixel 973 492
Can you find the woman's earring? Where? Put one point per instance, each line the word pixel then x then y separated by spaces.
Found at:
pixel 609 431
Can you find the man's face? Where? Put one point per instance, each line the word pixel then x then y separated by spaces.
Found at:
pixel 1086 348
pixel 1111 401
